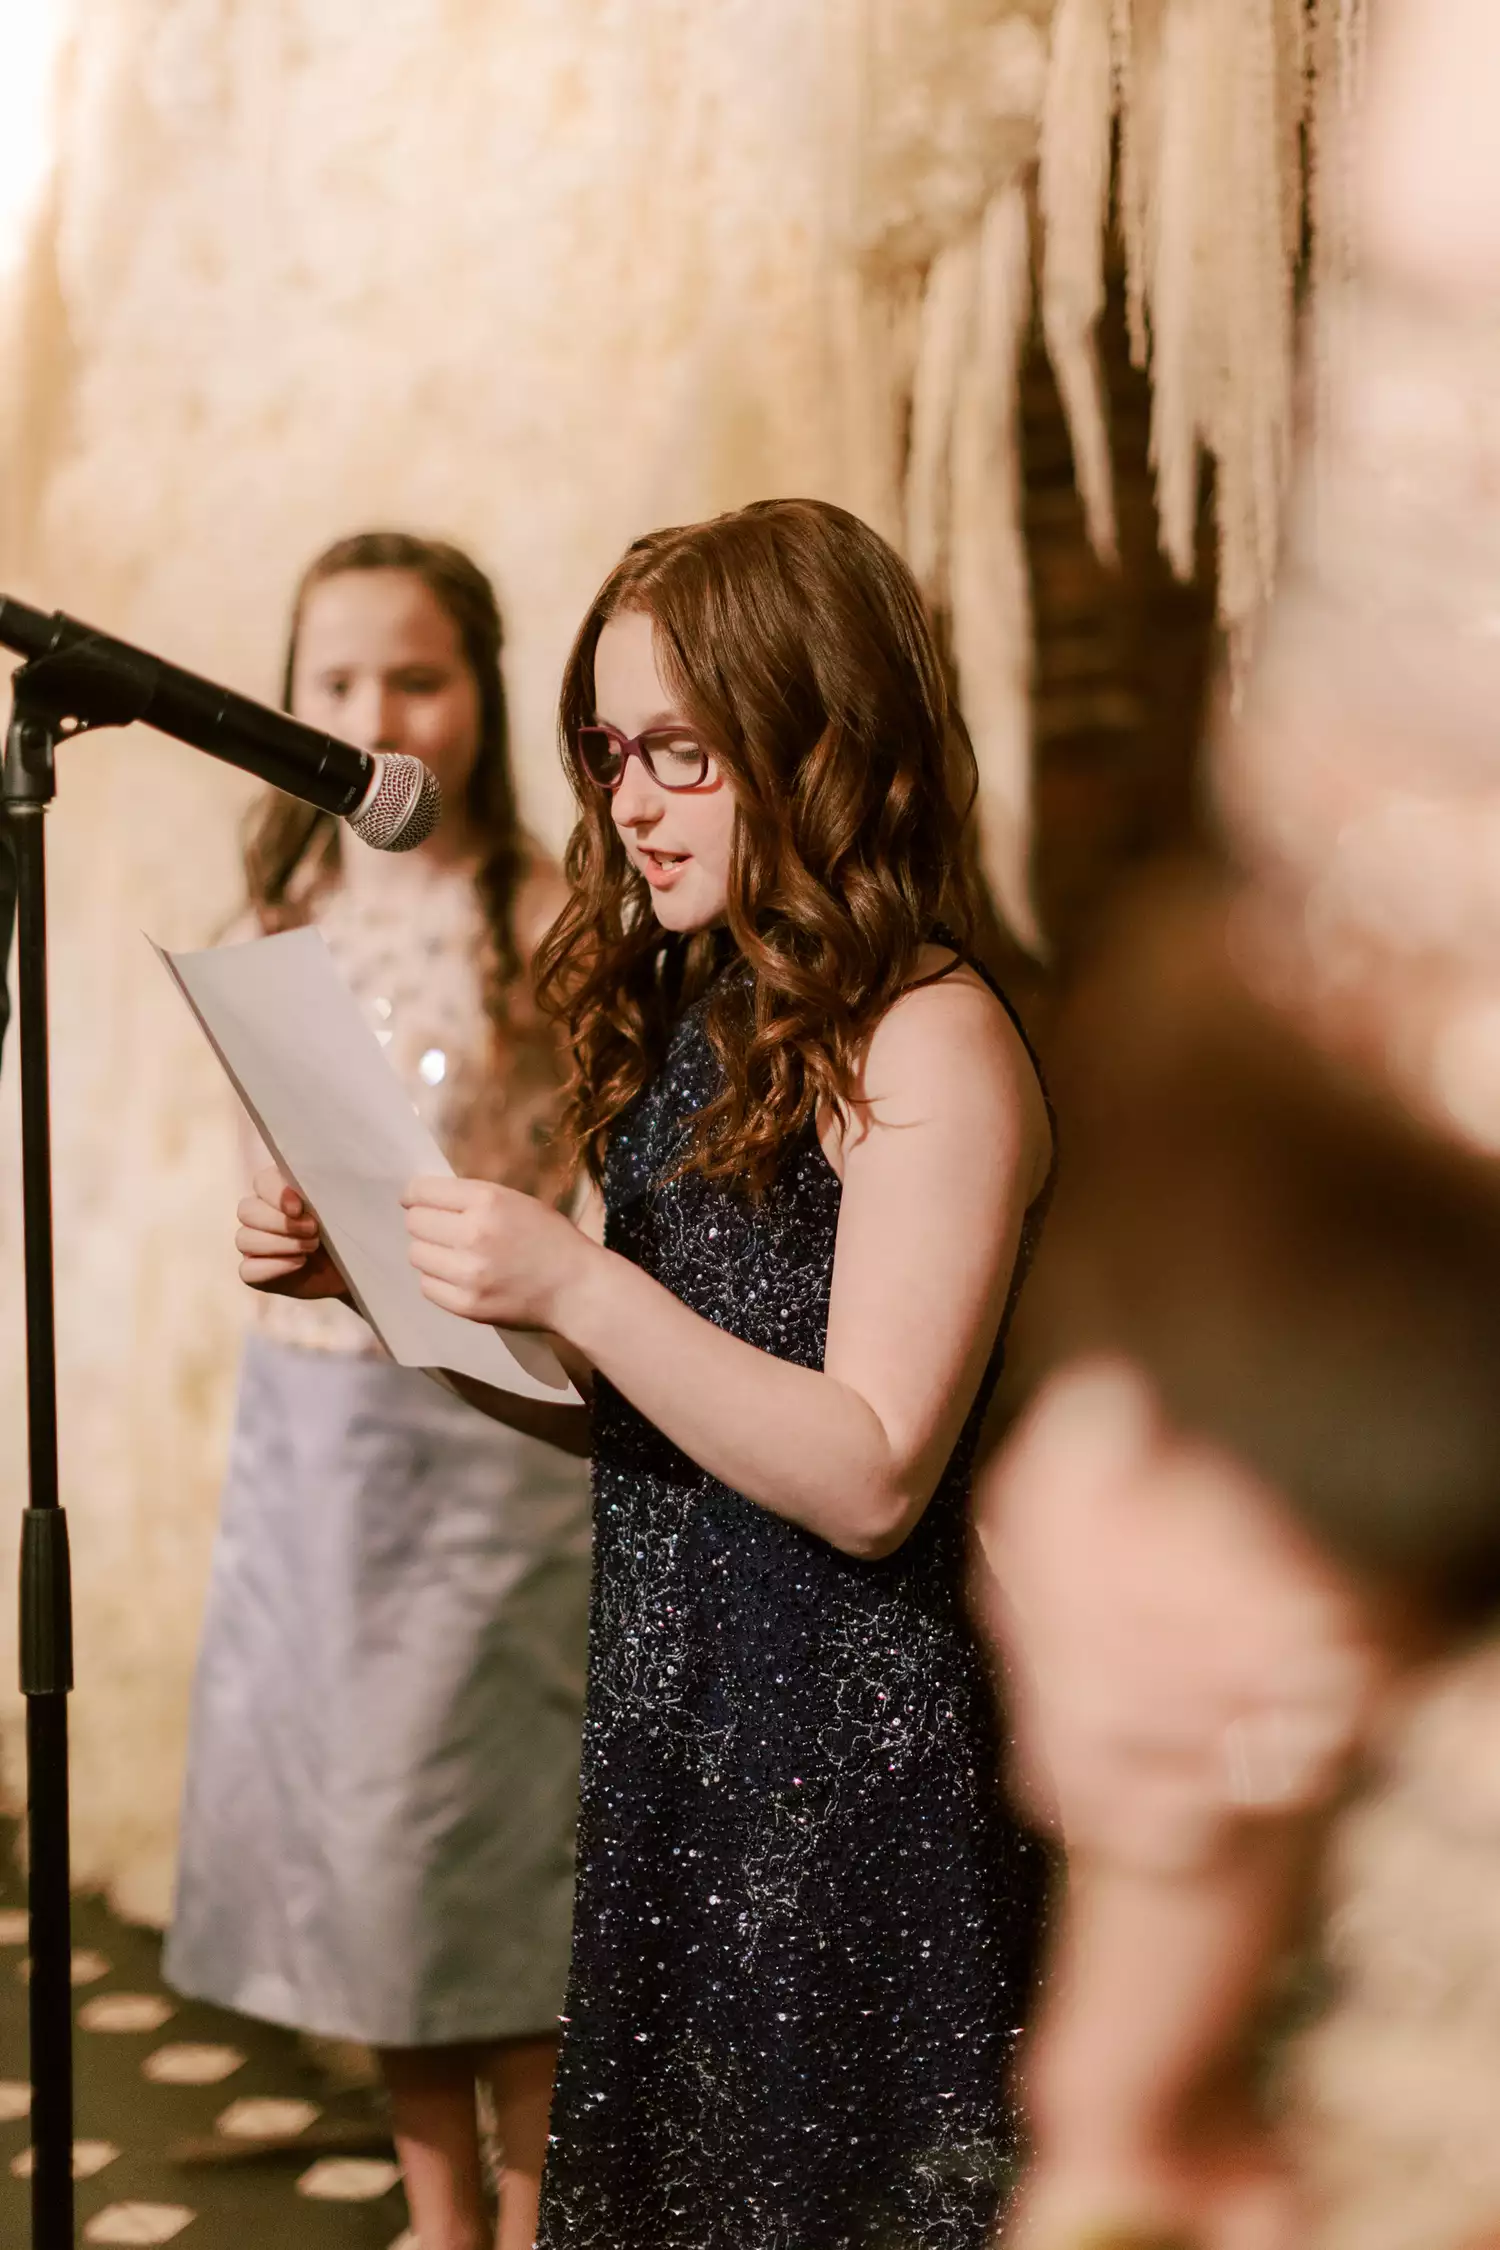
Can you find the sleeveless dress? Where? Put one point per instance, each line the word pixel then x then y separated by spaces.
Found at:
pixel 805 1930
pixel 378 1819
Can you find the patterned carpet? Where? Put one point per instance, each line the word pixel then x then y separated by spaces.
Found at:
pixel 193 2126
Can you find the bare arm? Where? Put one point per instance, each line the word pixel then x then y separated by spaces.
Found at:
pixel 937 1172
pixel 566 1427
pixel 282 1252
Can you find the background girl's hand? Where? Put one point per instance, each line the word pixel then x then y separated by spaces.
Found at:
pixel 280 1248
pixel 490 1253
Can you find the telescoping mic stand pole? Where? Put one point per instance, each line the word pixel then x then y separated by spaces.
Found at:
pixel 27 786
pixel 52 698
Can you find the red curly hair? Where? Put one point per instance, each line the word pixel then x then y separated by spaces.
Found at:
pixel 796 640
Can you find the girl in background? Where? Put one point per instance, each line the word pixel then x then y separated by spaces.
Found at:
pixel 805 1922
pixel 378 1826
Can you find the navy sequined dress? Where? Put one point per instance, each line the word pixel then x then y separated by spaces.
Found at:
pixel 805 1927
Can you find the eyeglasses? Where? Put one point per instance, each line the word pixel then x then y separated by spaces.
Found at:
pixel 674 758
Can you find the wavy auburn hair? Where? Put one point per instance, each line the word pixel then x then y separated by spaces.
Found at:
pixel 796 641
pixel 293 852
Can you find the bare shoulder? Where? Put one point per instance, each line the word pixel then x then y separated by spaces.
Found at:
pixel 946 1055
pixel 946 1030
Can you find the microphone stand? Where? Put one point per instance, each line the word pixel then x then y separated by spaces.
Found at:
pixel 7 923
pixel 52 700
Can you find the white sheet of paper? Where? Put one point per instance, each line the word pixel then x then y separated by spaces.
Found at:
pixel 340 1124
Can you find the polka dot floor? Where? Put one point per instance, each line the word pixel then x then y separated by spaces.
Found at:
pixel 193 2126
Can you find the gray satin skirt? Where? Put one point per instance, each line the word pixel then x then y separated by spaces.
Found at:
pixel 377 1832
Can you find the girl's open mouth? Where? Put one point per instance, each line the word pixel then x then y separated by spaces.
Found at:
pixel 660 868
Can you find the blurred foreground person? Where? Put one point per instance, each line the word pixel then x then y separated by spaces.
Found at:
pixel 1260 1489
pixel 377 1839
pixel 1260 1485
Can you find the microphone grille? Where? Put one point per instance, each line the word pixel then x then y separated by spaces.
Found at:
pixel 402 809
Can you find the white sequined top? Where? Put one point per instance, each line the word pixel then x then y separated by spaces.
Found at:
pixel 410 939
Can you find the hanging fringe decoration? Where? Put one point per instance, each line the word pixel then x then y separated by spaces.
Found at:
pixel 989 588
pixel 951 96
pixel 1340 37
pixel 945 340
pixel 1212 97
pixel 1073 171
pixel 1340 45
pixel 1210 108
pixel 1135 42
pixel 963 520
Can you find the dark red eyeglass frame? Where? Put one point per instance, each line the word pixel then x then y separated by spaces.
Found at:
pixel 627 746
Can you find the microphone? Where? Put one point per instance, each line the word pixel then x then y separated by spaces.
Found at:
pixel 392 802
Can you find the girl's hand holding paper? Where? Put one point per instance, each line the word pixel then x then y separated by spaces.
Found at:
pixel 281 1250
pixel 492 1254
